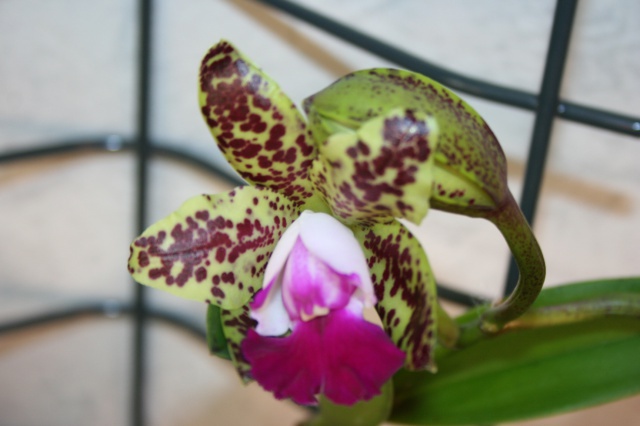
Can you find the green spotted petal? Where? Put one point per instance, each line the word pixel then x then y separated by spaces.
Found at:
pixel 405 289
pixel 214 248
pixel 381 171
pixel 471 167
pixel 258 128
pixel 236 324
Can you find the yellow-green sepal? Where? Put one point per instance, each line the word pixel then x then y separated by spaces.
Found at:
pixel 258 128
pixel 214 248
pixel 405 288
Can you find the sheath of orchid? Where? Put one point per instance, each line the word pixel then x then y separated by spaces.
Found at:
pixel 257 127
pixel 469 176
pixel 316 286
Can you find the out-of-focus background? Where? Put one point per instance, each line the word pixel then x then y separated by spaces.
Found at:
pixel 67 70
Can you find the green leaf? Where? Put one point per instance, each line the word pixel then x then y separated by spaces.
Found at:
pixel 471 167
pixel 364 413
pixel 257 127
pixel 381 171
pixel 531 372
pixel 405 288
pixel 583 301
pixel 216 341
pixel 214 248
pixel 586 290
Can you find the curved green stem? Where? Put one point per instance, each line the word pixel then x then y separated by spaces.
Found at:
pixel 526 251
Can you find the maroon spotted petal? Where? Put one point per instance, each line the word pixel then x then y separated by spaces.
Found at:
pixel 257 127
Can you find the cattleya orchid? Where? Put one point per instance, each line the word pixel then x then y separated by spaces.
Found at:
pixel 318 287
pixel 293 260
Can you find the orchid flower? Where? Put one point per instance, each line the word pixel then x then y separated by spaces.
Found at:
pixel 318 287
pixel 293 259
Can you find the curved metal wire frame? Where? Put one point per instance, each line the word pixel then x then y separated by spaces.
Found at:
pixel 545 104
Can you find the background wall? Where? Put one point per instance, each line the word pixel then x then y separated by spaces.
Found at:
pixel 68 71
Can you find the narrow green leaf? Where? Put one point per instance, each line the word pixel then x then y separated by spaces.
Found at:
pixel 216 341
pixel 531 372
pixel 587 290
pixel 572 293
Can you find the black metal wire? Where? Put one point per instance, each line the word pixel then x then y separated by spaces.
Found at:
pixel 518 98
pixel 107 309
pixel 145 17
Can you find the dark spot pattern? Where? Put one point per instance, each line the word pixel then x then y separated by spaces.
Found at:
pixel 467 146
pixel 382 177
pixel 257 127
pixel 405 289
pixel 236 324
pixel 211 249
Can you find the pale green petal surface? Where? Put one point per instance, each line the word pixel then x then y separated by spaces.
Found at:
pixel 473 166
pixel 405 288
pixel 214 248
pixel 257 127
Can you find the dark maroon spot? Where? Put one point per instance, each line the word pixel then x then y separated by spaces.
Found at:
pixel 264 162
pixel 363 148
pixel 305 148
pixel 143 258
pixel 261 102
pixel 217 292
pixel 228 277
pixel 273 144
pixel 221 252
pixel 201 274
pixel 202 215
pixel 291 156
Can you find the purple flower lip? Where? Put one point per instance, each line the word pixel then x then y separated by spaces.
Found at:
pixel 317 285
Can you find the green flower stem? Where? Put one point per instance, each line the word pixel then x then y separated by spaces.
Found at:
pixel 364 413
pixel 612 305
pixel 526 251
pixel 448 329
